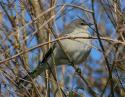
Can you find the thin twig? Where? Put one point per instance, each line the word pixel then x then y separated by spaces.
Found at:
pixel 60 38
pixel 101 45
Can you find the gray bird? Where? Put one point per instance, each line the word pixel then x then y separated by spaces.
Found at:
pixel 77 49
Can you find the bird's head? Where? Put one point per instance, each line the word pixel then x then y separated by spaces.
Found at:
pixel 80 23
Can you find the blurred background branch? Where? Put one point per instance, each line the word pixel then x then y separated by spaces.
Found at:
pixel 26 34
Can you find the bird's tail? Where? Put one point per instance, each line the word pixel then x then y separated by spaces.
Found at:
pixel 42 66
pixel 31 75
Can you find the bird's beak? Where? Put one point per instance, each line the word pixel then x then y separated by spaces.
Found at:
pixel 90 24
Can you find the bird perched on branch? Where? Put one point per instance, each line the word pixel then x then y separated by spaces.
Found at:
pixel 65 51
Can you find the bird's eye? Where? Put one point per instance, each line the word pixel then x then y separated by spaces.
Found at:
pixel 82 23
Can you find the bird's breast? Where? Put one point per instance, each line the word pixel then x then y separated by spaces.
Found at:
pixel 78 49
